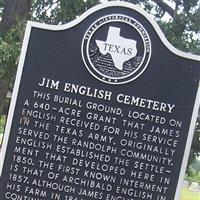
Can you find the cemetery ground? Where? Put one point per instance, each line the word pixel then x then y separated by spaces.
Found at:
pixel 186 193
pixel 2 124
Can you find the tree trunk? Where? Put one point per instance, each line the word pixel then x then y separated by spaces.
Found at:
pixel 4 86
pixel 165 7
pixel 15 11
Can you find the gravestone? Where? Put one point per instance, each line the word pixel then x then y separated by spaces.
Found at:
pixel 103 108
pixel 186 184
pixel 194 187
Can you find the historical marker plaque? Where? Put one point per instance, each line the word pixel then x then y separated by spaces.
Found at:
pixel 103 108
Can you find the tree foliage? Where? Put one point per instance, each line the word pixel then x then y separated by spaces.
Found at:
pixel 182 30
pixel 59 11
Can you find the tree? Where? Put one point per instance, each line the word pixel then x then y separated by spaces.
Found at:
pixel 181 30
pixel 14 13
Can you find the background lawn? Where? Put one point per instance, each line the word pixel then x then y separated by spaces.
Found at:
pixel 2 124
pixel 187 194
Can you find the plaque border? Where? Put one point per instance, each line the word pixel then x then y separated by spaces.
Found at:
pixel 73 23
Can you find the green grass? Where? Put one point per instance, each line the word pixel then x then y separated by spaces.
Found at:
pixel 187 194
pixel 2 123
